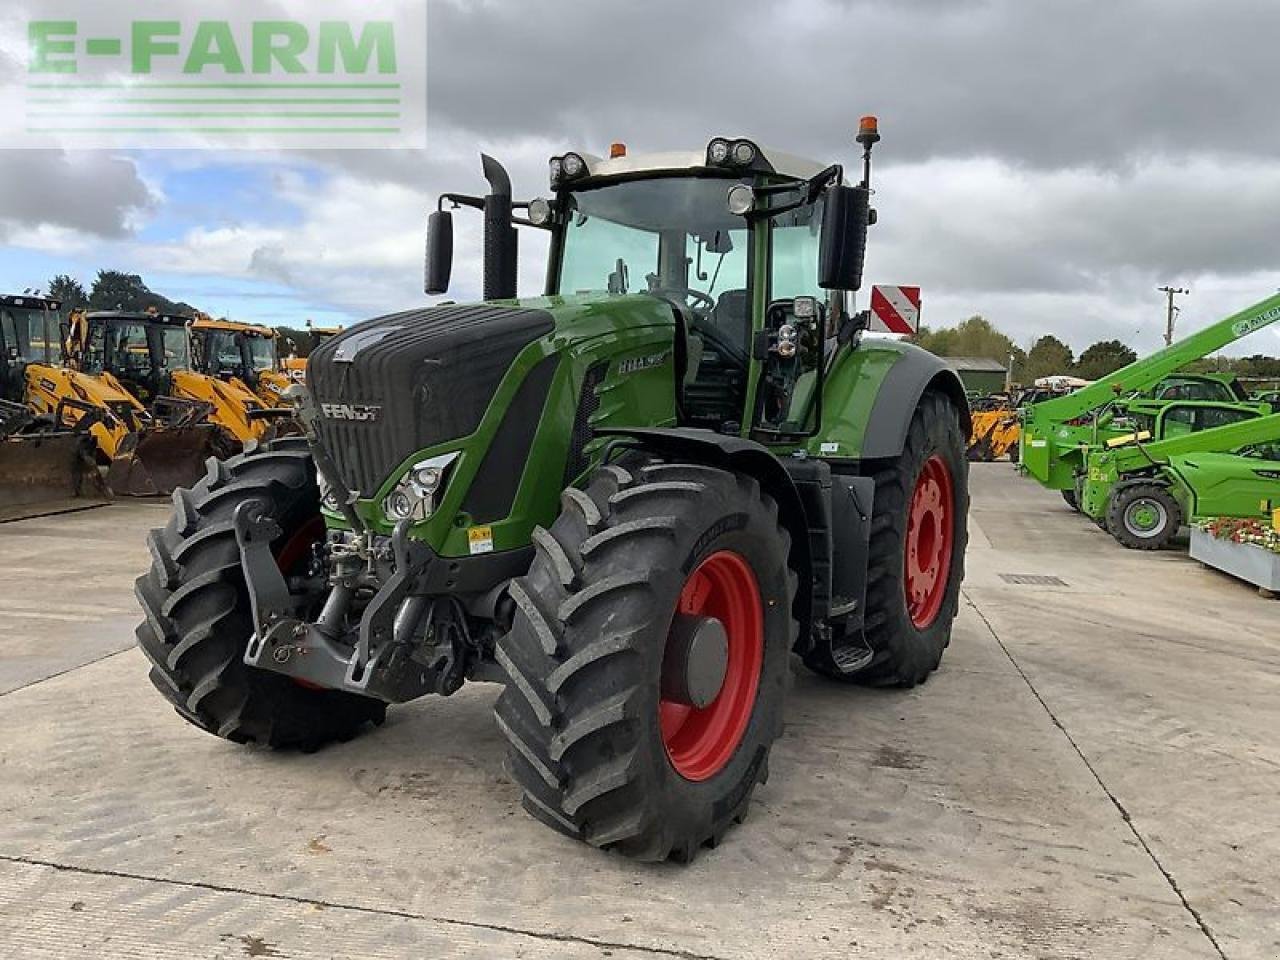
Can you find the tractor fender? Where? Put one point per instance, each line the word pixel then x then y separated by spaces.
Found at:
pixel 899 395
pixel 753 459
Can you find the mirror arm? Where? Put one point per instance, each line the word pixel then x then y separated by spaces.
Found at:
pixel 459 200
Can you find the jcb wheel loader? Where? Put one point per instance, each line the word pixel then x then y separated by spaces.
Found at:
pixel 630 501
pixel 145 455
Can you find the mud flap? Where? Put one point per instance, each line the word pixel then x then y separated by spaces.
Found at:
pixel 39 468
pixel 157 462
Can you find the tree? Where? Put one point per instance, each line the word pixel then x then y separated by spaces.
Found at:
pixel 1102 358
pixel 975 337
pixel 69 290
pixel 1049 356
pixel 113 290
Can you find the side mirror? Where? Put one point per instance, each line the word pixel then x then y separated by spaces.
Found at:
pixel 846 214
pixel 439 263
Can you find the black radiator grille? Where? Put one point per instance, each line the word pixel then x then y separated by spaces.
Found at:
pixel 429 373
pixel 588 403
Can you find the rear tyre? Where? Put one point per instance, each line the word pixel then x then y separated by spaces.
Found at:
pixel 642 581
pixel 919 532
pixel 1144 516
pixel 198 616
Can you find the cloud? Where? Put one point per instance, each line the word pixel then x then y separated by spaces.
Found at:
pixel 1045 164
pixel 51 199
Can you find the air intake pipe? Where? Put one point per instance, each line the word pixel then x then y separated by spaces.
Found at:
pixel 500 240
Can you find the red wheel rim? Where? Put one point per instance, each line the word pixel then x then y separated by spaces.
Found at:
pixel 930 533
pixel 700 742
pixel 295 550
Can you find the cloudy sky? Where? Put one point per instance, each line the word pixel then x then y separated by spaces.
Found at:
pixel 1046 163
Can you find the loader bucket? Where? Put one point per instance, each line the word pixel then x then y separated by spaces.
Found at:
pixel 47 468
pixel 157 462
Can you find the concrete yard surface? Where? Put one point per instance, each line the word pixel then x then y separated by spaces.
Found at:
pixel 1093 773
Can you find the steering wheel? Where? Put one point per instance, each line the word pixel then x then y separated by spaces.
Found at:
pixel 687 293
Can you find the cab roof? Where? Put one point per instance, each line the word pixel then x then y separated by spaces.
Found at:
pixel 140 316
pixel 234 327
pixel 786 165
pixel 29 302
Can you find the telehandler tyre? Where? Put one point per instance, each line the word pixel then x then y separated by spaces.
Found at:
pixel 916 559
pixel 649 658
pixel 1144 516
pixel 198 617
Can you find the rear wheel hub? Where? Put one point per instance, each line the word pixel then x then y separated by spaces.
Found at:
pixel 930 536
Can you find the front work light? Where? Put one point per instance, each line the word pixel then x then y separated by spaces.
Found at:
pixel 742 199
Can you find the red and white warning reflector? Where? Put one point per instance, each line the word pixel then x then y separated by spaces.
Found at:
pixel 895 309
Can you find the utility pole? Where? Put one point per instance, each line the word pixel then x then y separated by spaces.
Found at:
pixel 1171 312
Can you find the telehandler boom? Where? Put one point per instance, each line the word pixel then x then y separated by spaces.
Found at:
pixel 1057 433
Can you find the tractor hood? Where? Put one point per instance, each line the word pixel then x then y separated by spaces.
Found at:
pixel 390 387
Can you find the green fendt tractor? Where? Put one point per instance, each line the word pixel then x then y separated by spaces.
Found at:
pixel 630 501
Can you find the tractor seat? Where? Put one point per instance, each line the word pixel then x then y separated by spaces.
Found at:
pixel 731 318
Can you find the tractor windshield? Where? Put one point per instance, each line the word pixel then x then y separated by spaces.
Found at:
pixel 175 348
pixel 672 236
pixel 262 351
pixel 30 336
pixel 221 352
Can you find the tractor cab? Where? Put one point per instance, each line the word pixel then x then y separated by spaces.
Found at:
pixel 141 350
pixel 28 335
pixel 754 251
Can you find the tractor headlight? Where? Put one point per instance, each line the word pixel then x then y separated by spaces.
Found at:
pixel 328 499
pixel 416 495
pixel 744 153
pixel 717 152
pixel 539 211
pixel 573 166
pixel 557 170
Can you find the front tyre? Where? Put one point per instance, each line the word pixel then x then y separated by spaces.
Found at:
pixel 648 658
pixel 1144 516
pixel 198 616
pixel 919 532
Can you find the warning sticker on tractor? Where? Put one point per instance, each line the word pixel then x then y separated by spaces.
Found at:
pixel 480 539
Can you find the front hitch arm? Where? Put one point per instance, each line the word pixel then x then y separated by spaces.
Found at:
pixel 377 666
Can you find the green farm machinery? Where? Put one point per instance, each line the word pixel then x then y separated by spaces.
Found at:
pixel 1058 434
pixel 1143 490
pixel 630 500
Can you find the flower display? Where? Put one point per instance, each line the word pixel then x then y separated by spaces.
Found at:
pixel 1237 530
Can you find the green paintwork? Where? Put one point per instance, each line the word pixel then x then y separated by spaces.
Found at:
pixel 1200 470
pixel 1051 448
pixel 588 328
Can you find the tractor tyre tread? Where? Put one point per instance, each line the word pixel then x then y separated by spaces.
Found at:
pixel 580 713
pixel 198 618
pixel 902 655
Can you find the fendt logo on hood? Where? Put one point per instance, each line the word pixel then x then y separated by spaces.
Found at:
pixel 359 412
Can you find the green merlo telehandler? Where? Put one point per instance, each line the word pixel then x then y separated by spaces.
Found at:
pixel 1058 434
pixel 631 500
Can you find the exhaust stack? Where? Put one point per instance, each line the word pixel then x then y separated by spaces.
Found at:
pixel 500 240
